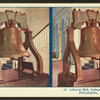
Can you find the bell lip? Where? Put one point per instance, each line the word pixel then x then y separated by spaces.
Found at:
pixel 14 55
pixel 25 55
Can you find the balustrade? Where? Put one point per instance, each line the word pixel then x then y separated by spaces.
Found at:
pixel 41 41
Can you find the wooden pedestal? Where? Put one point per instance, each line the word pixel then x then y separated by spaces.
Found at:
pixel 91 79
pixel 11 79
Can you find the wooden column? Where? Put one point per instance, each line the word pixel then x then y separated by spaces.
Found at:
pixel 1 71
pixel 70 48
pixel 29 44
pixel 20 70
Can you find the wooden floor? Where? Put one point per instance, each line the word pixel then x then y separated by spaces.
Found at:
pixel 67 81
pixel 91 77
pixel 56 69
pixel 11 79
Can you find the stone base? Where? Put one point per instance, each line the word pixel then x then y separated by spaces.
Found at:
pixel 11 79
pixel 67 81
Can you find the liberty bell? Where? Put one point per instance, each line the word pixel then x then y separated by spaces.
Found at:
pixel 11 41
pixel 89 41
pixel 90 37
pixel 11 45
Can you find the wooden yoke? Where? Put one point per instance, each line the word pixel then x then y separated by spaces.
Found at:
pixel 70 48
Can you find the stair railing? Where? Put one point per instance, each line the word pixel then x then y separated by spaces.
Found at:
pixel 3 60
pixel 41 39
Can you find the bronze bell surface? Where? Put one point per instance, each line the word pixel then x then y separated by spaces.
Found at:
pixel 90 46
pixel 11 43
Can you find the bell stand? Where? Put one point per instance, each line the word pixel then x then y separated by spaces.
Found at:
pixel 28 44
pixel 70 48
pixel 70 45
